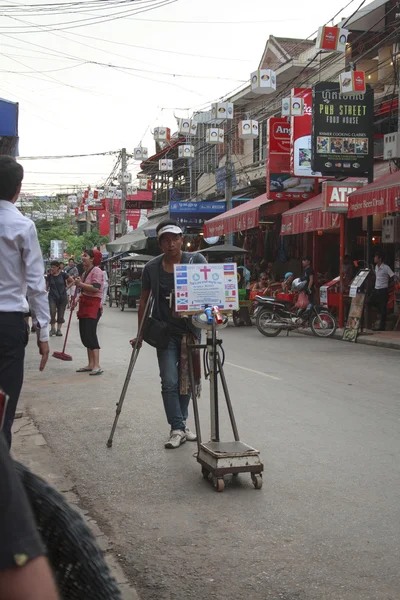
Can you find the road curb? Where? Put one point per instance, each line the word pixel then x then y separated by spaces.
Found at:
pixel 362 339
pixel 31 448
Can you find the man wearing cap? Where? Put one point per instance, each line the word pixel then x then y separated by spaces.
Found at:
pixel 158 278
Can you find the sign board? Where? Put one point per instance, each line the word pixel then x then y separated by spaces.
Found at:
pixel 138 204
pixel 342 126
pixel 335 195
pixel 221 176
pixel 358 281
pixel 352 328
pixel 300 137
pixel 195 213
pixel 201 285
pixel 56 249
pixel 280 183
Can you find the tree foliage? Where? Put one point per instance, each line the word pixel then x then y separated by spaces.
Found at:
pixel 67 231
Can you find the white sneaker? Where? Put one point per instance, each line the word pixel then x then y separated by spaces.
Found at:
pixel 176 438
pixel 190 436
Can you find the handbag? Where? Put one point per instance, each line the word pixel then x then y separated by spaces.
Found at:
pixel 156 333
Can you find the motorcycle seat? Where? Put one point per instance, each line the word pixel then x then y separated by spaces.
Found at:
pixel 269 300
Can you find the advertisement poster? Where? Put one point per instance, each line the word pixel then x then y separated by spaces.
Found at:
pixel 354 319
pixel 281 185
pixel 300 138
pixel 201 285
pixel 342 140
pixel 195 213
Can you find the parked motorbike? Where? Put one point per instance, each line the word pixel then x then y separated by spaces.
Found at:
pixel 274 315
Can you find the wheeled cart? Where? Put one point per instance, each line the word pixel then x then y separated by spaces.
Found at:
pixel 219 458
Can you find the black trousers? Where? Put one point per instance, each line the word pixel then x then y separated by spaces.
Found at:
pixel 13 339
pixel 379 299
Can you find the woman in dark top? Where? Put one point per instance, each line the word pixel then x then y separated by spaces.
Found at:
pixel 57 283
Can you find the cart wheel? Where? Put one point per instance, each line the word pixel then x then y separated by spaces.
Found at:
pixel 257 480
pixel 219 484
pixel 205 472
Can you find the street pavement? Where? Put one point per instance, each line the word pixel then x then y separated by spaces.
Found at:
pixel 325 415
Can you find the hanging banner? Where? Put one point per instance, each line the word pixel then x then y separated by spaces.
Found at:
pixel 281 185
pixel 300 137
pixel 342 140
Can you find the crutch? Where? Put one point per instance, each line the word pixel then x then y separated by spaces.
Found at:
pixel 132 362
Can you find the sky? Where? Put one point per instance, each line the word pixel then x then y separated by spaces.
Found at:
pixel 89 88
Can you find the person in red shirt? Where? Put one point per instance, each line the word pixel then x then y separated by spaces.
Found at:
pixel 91 285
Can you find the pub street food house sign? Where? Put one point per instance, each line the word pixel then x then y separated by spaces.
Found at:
pixel 342 140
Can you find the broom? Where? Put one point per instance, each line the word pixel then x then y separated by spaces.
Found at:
pixel 63 355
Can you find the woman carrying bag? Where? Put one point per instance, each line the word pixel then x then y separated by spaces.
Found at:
pixel 91 285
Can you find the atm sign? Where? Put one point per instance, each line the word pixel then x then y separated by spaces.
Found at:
pixel 335 195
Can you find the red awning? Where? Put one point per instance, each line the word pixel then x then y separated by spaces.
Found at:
pixel 308 216
pixel 240 218
pixel 380 197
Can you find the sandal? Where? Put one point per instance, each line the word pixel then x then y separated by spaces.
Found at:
pixel 83 370
pixel 96 372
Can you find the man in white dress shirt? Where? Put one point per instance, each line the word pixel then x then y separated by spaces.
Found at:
pixel 21 275
pixel 380 296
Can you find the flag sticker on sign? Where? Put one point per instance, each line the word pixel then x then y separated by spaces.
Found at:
pixel 181 281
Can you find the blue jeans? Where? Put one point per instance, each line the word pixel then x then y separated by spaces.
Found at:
pixel 175 404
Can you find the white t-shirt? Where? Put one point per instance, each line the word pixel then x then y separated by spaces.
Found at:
pixel 383 273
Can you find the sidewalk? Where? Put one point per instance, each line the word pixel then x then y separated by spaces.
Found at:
pixel 31 448
pixel 381 339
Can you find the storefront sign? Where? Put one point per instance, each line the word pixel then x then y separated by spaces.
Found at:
pixel 342 140
pixel 195 213
pixel 201 285
pixel 280 184
pixel 300 139
pixel 139 204
pixel 335 195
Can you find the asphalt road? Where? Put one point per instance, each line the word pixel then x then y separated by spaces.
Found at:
pixel 325 415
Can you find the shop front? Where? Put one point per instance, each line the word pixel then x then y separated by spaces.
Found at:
pixel 381 201
pixel 255 226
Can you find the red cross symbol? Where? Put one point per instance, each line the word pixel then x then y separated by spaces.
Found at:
pixel 205 270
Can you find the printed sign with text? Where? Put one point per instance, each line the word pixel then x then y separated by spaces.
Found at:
pixel 201 285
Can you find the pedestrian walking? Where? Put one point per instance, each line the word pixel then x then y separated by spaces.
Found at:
pixel 105 284
pixel 91 285
pixel 158 278
pixel 380 295
pixel 21 275
pixel 57 283
pixel 72 271
pixel 309 278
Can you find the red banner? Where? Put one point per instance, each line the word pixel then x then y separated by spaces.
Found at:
pixel 300 138
pixel 280 184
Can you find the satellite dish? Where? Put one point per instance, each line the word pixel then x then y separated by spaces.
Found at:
pixel 211 240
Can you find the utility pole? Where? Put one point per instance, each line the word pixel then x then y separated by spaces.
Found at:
pixel 88 217
pixel 123 189
pixel 228 182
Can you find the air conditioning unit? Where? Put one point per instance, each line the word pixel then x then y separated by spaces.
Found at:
pixel 391 146
pixel 391 230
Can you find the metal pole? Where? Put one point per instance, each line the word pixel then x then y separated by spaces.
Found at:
pixel 341 261
pixel 228 183
pixel 123 189
pixel 88 221
pixel 112 219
